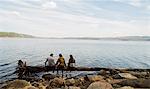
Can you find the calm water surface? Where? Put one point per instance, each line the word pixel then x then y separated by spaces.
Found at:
pixel 91 53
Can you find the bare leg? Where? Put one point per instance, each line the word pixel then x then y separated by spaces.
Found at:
pixel 62 73
pixel 57 70
pixel 53 68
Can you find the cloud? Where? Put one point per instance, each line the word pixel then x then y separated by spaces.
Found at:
pixel 148 7
pixel 73 1
pixel 16 13
pixel 135 3
pixel 57 23
pixel 49 5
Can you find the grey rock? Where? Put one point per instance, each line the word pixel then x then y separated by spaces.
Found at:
pixel 127 76
pixel 49 76
pixel 137 83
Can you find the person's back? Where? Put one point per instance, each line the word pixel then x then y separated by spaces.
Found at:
pixel 71 62
pixel 60 63
pixel 51 61
pixel 20 64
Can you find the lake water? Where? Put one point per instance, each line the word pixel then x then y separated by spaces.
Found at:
pixel 90 53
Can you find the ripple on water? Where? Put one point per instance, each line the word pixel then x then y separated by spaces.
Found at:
pixel 91 53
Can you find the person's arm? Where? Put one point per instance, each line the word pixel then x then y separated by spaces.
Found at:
pixel 46 61
pixel 65 62
pixel 25 64
pixel 75 62
pixel 69 63
pixel 57 62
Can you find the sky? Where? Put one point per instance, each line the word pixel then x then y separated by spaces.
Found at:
pixel 76 18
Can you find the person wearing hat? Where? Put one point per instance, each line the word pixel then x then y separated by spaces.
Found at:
pixel 51 62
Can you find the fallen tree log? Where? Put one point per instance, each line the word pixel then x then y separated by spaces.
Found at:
pixel 37 69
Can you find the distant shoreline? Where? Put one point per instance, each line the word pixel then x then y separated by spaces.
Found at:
pixel 123 38
pixel 100 39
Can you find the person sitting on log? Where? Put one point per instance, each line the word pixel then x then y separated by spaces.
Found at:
pixel 71 63
pixel 60 63
pixel 51 62
pixel 21 68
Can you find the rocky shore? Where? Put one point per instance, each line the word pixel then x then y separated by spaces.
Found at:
pixel 104 79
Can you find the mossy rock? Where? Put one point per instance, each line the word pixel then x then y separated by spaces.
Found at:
pixel 17 84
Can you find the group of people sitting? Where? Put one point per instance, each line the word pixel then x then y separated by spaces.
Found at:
pixel 60 63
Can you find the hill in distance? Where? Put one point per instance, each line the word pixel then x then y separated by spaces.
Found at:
pixel 13 34
pixel 124 38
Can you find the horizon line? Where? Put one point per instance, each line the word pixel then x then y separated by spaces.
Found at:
pixel 77 36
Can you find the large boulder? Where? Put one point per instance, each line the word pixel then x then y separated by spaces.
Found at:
pixel 102 72
pixel 17 84
pixel 114 81
pixel 137 83
pixel 73 87
pixel 117 76
pixel 125 87
pixel 66 87
pixel 35 84
pixel 70 82
pixel 127 76
pixel 42 87
pixel 30 87
pixel 79 81
pixel 82 82
pixel 140 74
pixel 49 76
pixel 38 85
pixel 100 85
pixel 95 78
pixel 57 82
pixel 113 71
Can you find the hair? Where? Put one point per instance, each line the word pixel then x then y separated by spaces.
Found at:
pixel 71 56
pixel 20 62
pixel 51 54
pixel 60 55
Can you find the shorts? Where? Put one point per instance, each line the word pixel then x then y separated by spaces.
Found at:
pixel 60 67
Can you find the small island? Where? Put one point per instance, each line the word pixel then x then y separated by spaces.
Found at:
pixel 13 34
